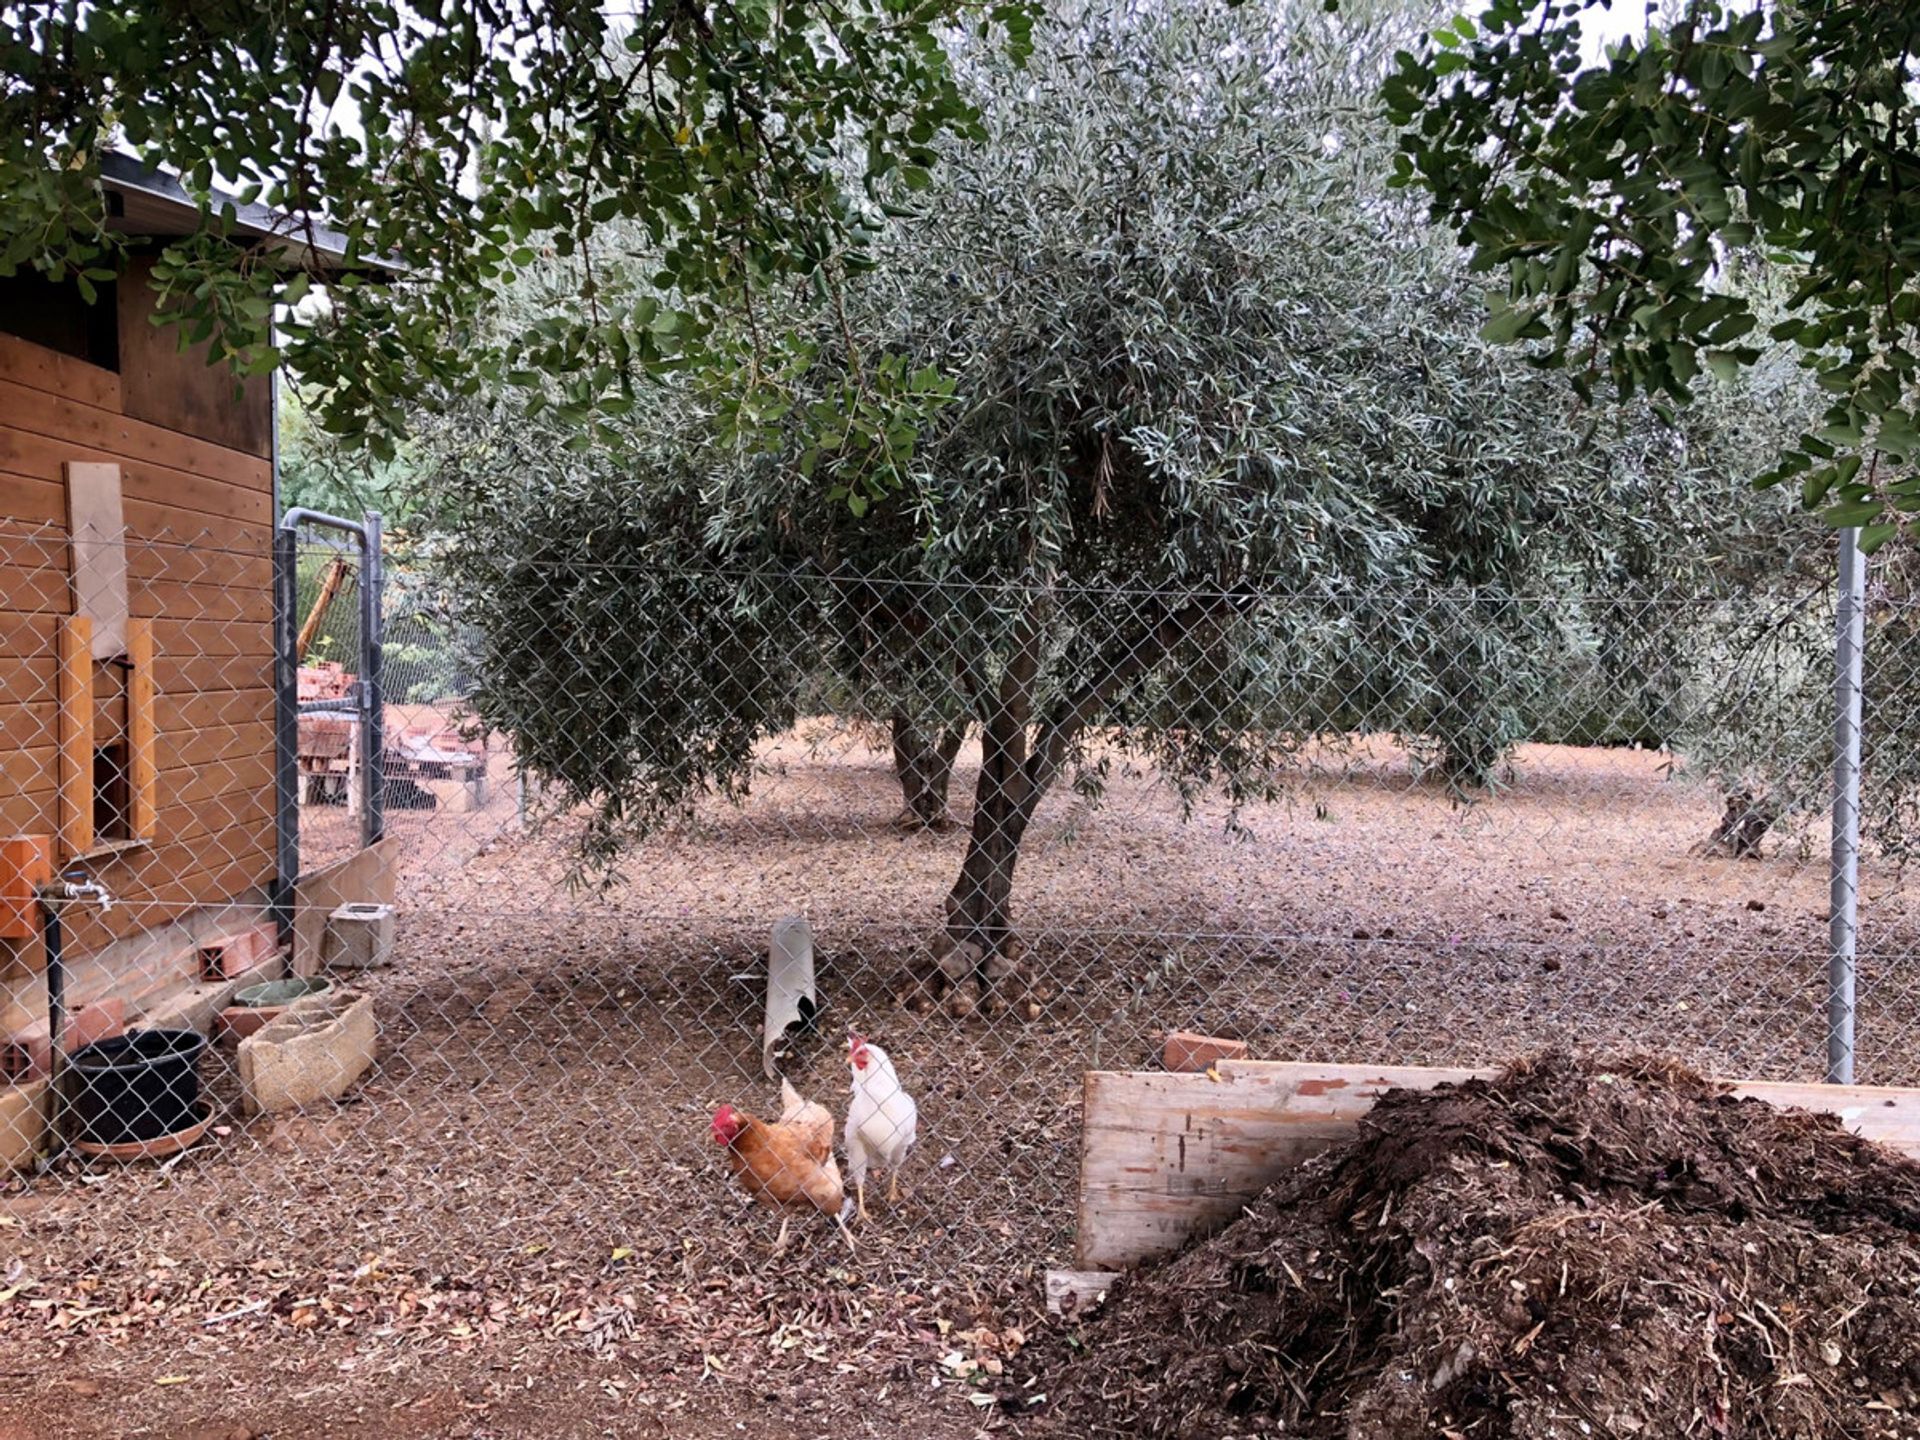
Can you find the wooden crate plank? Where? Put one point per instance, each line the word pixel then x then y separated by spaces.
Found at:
pixel 1164 1156
pixel 1167 1158
pixel 38 368
pixel 366 875
pixel 142 760
pixel 76 735
pixel 98 527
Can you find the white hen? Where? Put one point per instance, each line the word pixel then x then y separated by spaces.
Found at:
pixel 881 1121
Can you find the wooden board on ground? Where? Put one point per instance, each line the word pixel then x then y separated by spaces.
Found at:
pixel 1075 1292
pixel 1165 1158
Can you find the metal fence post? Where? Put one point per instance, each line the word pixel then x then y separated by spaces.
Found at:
pixel 1844 894
pixel 373 769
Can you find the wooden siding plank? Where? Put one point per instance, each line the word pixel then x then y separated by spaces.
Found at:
pixel 207 786
pixel 176 388
pixel 200 711
pixel 197 567
pixel 76 735
pixel 178 674
pixel 245 608
pixel 142 908
pixel 27 636
pixel 33 574
pixel 212 754
pixel 173 635
pixel 213 745
pixel 29 680
pixel 38 458
pixel 29 727
pixel 31 502
pixel 61 418
pixel 33 768
pixel 39 368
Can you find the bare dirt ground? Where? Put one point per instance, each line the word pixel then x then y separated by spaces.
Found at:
pixel 517 1224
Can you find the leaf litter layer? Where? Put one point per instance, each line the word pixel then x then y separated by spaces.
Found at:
pixel 1575 1248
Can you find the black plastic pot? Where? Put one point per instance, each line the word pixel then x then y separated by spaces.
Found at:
pixel 138 1086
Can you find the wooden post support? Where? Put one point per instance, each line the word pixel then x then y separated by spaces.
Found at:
pixel 143 776
pixel 76 735
pixel 26 863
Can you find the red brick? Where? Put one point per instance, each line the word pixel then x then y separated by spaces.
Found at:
pixel 94 1022
pixel 26 1054
pixel 233 955
pixel 1187 1051
pixel 239 1021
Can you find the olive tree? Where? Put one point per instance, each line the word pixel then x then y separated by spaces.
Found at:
pixel 1213 397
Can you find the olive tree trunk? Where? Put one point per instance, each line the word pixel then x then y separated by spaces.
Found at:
pixel 923 764
pixel 1021 758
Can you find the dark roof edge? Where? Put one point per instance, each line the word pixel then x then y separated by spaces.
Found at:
pixel 125 174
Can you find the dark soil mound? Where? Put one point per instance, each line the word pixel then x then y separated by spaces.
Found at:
pixel 1574 1249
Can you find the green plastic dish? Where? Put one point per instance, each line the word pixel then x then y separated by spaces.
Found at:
pixel 281 992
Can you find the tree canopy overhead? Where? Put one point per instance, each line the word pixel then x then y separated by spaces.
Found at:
pixel 466 140
pixel 1611 197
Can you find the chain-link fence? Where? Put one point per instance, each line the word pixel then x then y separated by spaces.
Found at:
pixel 1032 829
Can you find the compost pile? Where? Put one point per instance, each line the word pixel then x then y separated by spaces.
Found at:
pixel 1577 1248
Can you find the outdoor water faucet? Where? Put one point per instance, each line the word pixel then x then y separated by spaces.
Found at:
pixel 74 885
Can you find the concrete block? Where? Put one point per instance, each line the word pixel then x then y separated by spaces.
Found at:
pixel 193 1007
pixel 25 1111
pixel 359 937
pixel 1186 1051
pixel 312 1053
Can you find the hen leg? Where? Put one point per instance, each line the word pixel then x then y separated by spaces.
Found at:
pixel 860 1191
pixel 893 1187
pixel 780 1245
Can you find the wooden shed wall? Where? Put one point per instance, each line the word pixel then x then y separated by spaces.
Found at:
pixel 199 519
